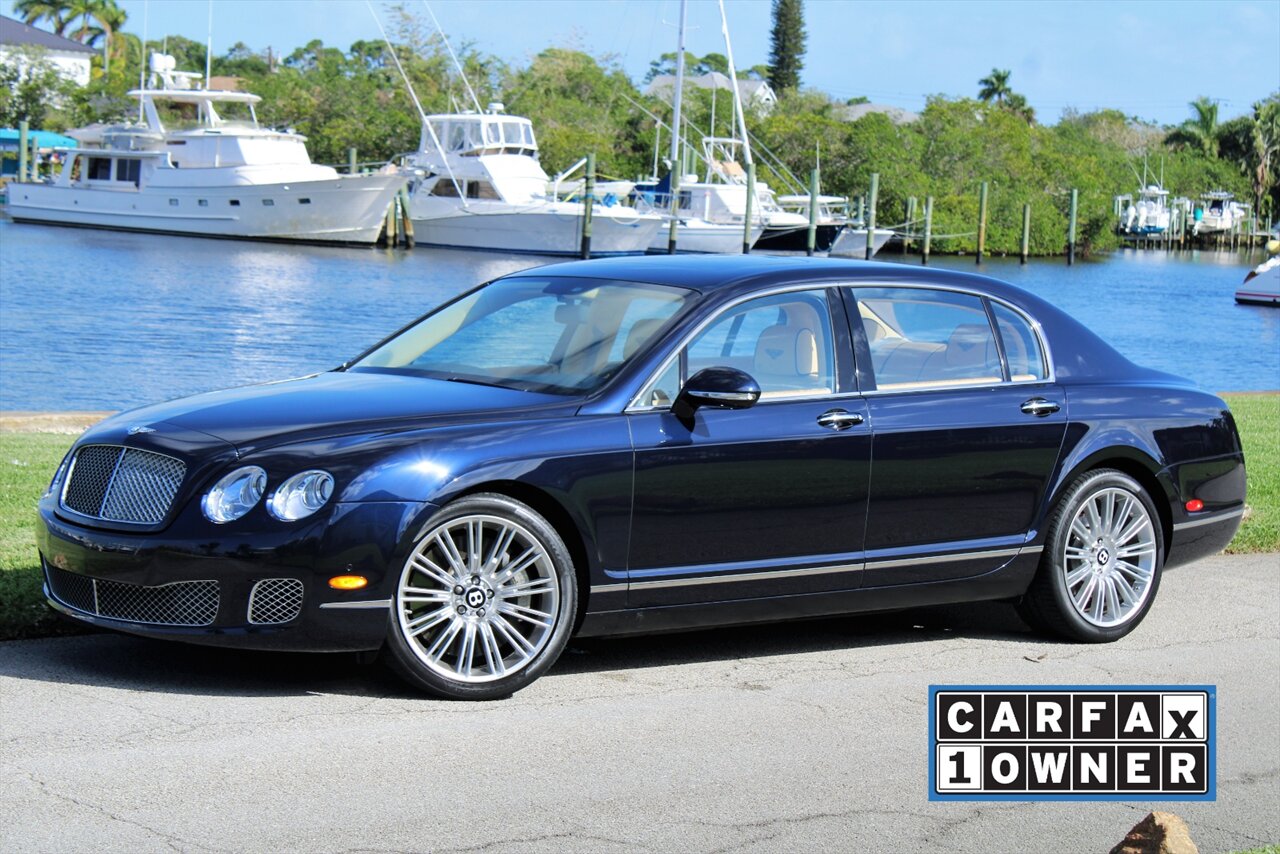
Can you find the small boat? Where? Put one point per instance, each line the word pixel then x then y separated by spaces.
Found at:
pixel 710 217
pixel 476 184
pixel 852 241
pixel 830 222
pixel 1217 213
pixel 1149 214
pixel 201 165
pixel 1262 285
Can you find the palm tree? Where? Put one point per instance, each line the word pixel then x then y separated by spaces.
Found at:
pixel 1266 147
pixel 56 12
pixel 98 19
pixel 1202 131
pixel 995 86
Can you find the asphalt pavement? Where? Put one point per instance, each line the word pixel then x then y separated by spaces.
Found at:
pixel 791 737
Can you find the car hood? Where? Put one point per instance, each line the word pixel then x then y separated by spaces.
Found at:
pixel 330 404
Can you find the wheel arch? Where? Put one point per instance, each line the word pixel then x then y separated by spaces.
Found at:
pixel 558 516
pixel 1137 464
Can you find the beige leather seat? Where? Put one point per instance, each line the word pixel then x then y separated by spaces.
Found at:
pixel 786 362
pixel 641 332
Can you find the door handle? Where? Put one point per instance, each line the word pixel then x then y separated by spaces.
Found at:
pixel 1039 406
pixel 839 419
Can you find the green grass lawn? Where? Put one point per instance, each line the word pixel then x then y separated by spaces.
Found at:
pixel 27 461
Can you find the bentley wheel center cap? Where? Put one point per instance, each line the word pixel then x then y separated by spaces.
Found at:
pixel 475 597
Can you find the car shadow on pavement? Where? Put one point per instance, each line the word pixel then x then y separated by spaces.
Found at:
pixel 141 664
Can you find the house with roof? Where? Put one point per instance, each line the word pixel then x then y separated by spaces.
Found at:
pixel 70 57
pixel 757 95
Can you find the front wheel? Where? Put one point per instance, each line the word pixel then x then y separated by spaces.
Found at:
pixel 1101 565
pixel 485 601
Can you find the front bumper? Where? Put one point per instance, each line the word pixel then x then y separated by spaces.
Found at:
pixel 196 582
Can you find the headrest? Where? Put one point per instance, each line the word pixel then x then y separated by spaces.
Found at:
pixel 787 351
pixel 968 345
pixel 641 332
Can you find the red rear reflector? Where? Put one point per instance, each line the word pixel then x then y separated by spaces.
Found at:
pixel 1195 505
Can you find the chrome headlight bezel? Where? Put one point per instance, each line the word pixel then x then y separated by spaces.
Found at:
pixel 221 507
pixel 301 495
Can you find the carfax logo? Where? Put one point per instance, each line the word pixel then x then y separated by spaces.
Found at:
pixel 1028 742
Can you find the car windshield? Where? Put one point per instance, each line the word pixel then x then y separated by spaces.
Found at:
pixel 556 335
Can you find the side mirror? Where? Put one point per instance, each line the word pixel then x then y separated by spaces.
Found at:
pixel 723 388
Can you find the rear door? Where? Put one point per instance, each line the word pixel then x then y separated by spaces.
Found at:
pixel 968 425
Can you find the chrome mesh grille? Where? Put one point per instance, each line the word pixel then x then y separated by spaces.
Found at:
pixel 275 600
pixel 179 603
pixel 118 484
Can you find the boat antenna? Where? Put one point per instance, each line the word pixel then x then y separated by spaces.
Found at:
pixel 416 103
pixel 208 50
pixel 737 95
pixel 142 71
pixel 454 57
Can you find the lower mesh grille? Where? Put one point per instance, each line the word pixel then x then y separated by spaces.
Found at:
pixel 275 600
pixel 180 603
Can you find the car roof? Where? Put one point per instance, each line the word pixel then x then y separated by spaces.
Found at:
pixel 710 273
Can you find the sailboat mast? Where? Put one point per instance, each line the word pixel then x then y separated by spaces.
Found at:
pixel 675 134
pixel 208 50
pixel 676 103
pixel 737 96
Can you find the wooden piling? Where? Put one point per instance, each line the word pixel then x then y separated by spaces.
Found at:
pixel 1071 227
pixel 35 158
pixel 1026 233
pixel 982 220
pixel 746 220
pixel 871 214
pixel 23 129
pixel 351 160
pixel 588 202
pixel 812 242
pixel 928 230
pixel 673 225
pixel 406 221
pixel 910 227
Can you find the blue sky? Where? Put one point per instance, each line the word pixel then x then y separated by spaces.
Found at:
pixel 1145 58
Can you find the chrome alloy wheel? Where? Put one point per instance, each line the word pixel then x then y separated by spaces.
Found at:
pixel 1110 557
pixel 478 599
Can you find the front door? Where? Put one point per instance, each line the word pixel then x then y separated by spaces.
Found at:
pixel 762 501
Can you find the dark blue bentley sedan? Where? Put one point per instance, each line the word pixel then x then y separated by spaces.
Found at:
pixel 640 445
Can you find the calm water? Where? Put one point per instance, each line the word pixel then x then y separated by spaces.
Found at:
pixel 100 320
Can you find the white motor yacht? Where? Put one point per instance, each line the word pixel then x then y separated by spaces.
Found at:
pixel 477 184
pixel 201 165
pixel 710 219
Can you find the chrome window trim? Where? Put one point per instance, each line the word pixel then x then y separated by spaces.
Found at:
pixel 636 407
pixel 1036 328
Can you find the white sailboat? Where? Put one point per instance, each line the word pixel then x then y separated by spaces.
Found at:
pixel 206 168
pixel 477 184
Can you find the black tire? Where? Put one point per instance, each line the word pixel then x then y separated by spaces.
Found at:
pixel 407 656
pixel 1047 606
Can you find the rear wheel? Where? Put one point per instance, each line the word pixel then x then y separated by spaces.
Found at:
pixel 1101 565
pixel 485 601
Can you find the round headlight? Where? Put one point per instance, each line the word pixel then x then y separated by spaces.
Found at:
pixel 301 495
pixel 234 495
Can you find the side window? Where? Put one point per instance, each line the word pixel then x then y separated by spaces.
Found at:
pixel 1021 346
pixel 99 169
pixel 783 341
pixel 921 338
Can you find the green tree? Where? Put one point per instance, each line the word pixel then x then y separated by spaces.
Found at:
pixel 786 45
pixel 1201 131
pixel 31 88
pixel 995 86
pixel 56 12
pixel 1265 172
